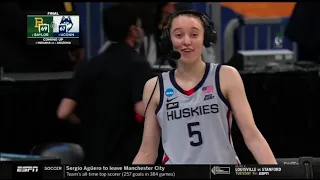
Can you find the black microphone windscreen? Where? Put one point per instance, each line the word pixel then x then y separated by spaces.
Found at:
pixel 175 55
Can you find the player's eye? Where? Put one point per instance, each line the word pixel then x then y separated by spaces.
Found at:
pixel 194 34
pixel 178 35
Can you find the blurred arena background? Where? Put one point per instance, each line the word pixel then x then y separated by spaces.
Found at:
pixel 221 13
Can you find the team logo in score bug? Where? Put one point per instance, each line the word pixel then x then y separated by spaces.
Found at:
pixel 169 92
pixel 66 26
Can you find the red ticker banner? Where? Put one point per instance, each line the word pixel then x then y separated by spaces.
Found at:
pixel 15 170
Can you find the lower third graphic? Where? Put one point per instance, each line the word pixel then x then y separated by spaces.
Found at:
pixel 27 169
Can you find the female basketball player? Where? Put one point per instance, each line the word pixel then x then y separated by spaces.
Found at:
pixel 191 105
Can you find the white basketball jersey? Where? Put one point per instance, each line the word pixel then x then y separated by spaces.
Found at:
pixel 195 124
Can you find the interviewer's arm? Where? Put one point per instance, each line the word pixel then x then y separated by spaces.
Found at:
pixel 148 151
pixel 76 91
pixel 253 138
pixel 140 73
pixel 66 109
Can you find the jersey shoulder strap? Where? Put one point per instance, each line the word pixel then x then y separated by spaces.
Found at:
pixel 164 78
pixel 159 78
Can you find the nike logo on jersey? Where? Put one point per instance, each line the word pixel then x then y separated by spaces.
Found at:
pixel 169 100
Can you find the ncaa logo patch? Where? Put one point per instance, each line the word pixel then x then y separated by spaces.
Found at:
pixel 169 92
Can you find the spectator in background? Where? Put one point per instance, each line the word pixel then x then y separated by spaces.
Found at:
pixel 146 12
pixel 149 47
pixel 17 56
pixel 152 27
pixel 109 88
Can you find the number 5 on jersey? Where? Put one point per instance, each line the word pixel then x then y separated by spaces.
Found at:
pixel 194 133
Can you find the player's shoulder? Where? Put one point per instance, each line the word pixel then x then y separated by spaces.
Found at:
pixel 230 76
pixel 151 83
pixel 160 78
pixel 228 71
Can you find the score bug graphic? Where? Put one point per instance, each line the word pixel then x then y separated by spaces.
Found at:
pixel 39 26
pixel 66 26
pixel 53 28
pixel 62 28
pixel 44 28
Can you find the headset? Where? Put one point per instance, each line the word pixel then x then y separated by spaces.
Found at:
pixel 210 35
pixel 165 45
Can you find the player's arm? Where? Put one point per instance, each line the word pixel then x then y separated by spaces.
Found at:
pixel 236 95
pixel 148 151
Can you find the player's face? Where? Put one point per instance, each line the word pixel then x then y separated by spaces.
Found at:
pixel 187 35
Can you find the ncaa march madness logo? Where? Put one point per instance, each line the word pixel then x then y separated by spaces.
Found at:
pixel 169 92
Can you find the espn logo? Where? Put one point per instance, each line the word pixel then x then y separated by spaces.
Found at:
pixel 27 169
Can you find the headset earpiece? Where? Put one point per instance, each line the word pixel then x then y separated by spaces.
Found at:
pixel 210 35
pixel 165 43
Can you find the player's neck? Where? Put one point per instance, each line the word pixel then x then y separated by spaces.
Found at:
pixel 191 71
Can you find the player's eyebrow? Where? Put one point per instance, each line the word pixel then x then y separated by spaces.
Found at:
pixel 176 29
pixel 194 28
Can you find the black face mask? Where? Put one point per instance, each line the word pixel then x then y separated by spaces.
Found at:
pixel 138 42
